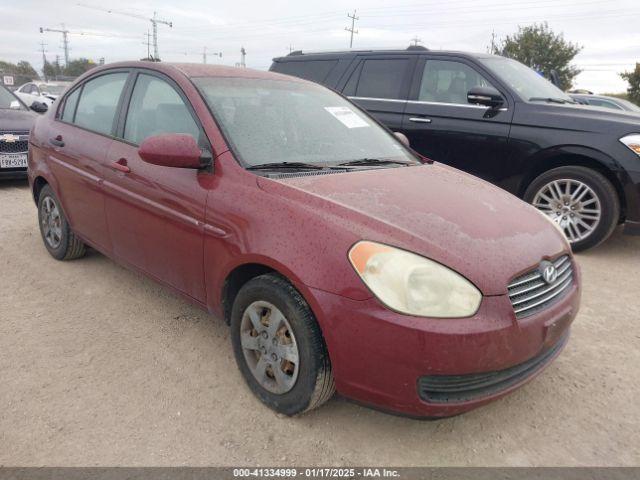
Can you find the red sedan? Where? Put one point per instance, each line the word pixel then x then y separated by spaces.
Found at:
pixel 340 259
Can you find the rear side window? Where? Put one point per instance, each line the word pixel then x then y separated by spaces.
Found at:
pixel 314 70
pixel 70 106
pixel 99 102
pixel 380 78
pixel 157 108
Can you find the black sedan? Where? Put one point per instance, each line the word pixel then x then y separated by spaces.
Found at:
pixel 15 122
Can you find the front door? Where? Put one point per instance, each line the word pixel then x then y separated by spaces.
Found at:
pixel 443 126
pixel 155 214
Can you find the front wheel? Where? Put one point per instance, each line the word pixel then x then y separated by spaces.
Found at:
pixel 279 347
pixel 581 200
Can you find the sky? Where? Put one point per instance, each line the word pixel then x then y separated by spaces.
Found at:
pixel 116 30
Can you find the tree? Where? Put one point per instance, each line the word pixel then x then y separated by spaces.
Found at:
pixel 78 66
pixel 633 78
pixel 22 68
pixel 52 70
pixel 543 50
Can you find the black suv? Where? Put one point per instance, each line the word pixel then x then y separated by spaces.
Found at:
pixel 499 120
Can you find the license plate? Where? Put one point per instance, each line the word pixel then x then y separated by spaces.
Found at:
pixel 13 160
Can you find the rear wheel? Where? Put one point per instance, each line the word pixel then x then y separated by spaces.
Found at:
pixel 58 238
pixel 279 347
pixel 582 201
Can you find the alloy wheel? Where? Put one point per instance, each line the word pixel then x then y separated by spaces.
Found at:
pixel 51 222
pixel 572 204
pixel 269 347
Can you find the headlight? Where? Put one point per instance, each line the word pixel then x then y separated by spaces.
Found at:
pixel 411 284
pixel 633 142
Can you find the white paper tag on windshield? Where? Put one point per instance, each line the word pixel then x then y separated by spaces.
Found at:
pixel 347 117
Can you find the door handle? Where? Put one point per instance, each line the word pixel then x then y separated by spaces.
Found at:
pixel 121 166
pixel 57 141
pixel 420 120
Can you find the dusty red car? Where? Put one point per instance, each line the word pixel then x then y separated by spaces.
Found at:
pixel 341 260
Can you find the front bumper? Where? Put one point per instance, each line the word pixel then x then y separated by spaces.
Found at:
pixel 8 173
pixel 379 357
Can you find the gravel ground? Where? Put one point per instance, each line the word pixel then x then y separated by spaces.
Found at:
pixel 100 366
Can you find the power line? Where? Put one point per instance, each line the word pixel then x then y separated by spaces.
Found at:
pixel 352 29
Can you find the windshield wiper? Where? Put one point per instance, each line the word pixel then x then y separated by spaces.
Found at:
pixel 374 161
pixel 549 100
pixel 292 165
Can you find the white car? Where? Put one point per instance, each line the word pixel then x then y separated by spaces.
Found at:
pixel 40 92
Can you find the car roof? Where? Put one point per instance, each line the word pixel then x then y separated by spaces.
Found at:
pixel 195 70
pixel 300 55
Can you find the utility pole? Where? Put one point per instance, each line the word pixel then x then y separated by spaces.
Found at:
pixel 204 54
pixel 44 60
pixel 416 41
pixel 148 44
pixel 65 40
pixel 492 48
pixel 352 29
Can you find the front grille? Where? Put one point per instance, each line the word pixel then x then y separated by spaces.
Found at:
pixel 530 293
pixel 21 145
pixel 464 388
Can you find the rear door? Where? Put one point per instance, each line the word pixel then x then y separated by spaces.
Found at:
pixel 380 84
pixel 442 125
pixel 78 141
pixel 155 214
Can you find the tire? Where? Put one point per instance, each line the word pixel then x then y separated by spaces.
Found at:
pixel 288 388
pixel 589 191
pixel 58 238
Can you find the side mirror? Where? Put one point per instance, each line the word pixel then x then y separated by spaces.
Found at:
pixel 14 105
pixel 487 96
pixel 177 150
pixel 39 107
pixel 403 139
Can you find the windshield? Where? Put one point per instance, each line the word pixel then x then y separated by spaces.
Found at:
pixel 7 98
pixel 631 106
pixel 269 121
pixel 526 82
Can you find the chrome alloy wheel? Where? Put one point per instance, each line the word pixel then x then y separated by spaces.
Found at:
pixel 269 347
pixel 571 204
pixel 51 222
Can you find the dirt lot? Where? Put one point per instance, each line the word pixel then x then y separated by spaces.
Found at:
pixel 99 366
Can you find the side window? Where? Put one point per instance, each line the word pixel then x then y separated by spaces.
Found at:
pixel 99 102
pixel 314 70
pixel 69 108
pixel 350 88
pixel 157 108
pixel 446 81
pixel 603 103
pixel 381 78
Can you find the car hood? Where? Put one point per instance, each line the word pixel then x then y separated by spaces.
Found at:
pixel 16 120
pixel 469 225
pixel 582 118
